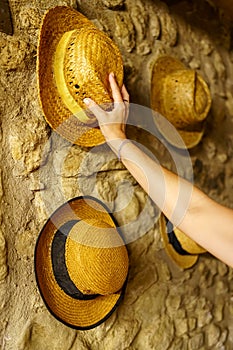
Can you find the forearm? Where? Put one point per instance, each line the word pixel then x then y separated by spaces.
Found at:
pixel 202 219
pixel 170 193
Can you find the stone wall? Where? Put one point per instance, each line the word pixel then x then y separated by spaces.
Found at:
pixel 164 307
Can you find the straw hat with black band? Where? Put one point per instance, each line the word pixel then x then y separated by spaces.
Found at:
pixel 181 96
pixel 81 263
pixel 182 249
pixel 74 61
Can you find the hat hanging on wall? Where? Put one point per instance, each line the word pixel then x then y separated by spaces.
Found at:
pixel 182 249
pixel 81 263
pixel 181 96
pixel 74 61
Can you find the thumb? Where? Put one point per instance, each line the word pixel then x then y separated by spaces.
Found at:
pixel 93 107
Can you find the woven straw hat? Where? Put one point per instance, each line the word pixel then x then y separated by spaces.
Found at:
pixel 182 249
pixel 74 62
pixel 81 263
pixel 182 97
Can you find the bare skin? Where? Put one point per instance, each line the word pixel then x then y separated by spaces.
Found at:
pixel 202 219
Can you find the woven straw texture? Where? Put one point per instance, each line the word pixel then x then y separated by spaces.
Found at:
pixel 102 268
pixel 183 261
pixel 82 314
pixel 182 97
pixel 74 62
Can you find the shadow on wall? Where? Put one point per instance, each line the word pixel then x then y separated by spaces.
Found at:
pixel 205 15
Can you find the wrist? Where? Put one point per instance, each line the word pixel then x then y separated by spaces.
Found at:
pixel 121 146
pixel 117 145
pixel 115 136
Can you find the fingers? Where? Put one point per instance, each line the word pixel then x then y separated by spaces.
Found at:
pixel 118 96
pixel 94 108
pixel 116 93
pixel 121 99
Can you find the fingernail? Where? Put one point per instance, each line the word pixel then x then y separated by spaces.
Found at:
pixel 112 74
pixel 86 101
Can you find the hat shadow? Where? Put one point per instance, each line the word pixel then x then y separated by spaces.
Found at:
pixel 201 15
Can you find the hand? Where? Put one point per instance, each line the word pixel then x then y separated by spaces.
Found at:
pixel 112 124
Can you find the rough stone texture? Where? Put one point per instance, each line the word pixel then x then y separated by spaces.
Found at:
pixel 164 307
pixel 3 248
pixel 125 32
pixel 113 4
pixel 3 262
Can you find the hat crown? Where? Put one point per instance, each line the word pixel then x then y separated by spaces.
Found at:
pixel 96 258
pixel 185 99
pixel 81 62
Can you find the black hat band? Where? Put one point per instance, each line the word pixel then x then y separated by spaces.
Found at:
pixel 173 239
pixel 59 265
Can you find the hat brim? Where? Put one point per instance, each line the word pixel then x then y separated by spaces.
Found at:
pixel 75 313
pixel 164 66
pixel 178 138
pixel 56 22
pixel 183 261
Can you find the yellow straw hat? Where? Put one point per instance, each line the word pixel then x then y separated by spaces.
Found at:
pixel 181 96
pixel 74 62
pixel 182 249
pixel 81 263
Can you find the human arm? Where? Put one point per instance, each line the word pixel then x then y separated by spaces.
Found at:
pixel 205 221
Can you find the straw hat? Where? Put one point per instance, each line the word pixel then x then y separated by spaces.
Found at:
pixel 182 249
pixel 74 62
pixel 81 263
pixel 182 97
